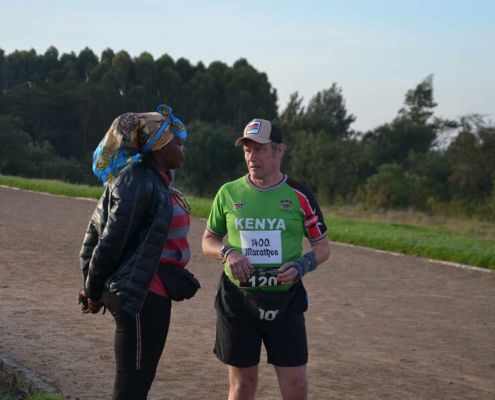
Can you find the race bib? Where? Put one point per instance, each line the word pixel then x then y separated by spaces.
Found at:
pixel 261 277
pixel 262 247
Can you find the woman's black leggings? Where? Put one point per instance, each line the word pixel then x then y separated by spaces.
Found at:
pixel 139 343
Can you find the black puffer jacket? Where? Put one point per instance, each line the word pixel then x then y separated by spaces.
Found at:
pixel 125 237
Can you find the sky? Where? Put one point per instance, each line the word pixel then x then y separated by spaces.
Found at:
pixel 374 50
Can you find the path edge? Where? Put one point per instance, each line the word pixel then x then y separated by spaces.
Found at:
pixel 21 379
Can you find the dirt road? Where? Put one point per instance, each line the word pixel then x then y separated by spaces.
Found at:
pixel 380 326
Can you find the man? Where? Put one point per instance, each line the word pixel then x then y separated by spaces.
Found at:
pixel 261 297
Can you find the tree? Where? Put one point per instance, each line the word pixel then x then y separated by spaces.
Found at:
pixel 471 157
pixel 395 187
pixel 326 112
pixel 21 69
pixel 393 143
pixel 185 70
pixel 100 73
pixel 13 145
pixel 69 69
pixel 419 104
pixel 2 70
pixel 143 93
pixel 248 94
pixel 50 66
pixel 211 158
pixel 168 81
pixel 208 89
pixel 291 118
pixel 410 132
pixel 330 167
pixel 145 70
pixel 121 72
pixel 86 62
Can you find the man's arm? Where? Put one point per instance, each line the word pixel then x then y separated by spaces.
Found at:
pixel 211 245
pixel 239 264
pixel 321 249
pixel 290 271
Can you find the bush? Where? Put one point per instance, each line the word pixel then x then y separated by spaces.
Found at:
pixel 394 187
pixel 328 166
pixel 14 144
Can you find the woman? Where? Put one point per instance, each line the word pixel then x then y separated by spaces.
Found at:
pixel 136 236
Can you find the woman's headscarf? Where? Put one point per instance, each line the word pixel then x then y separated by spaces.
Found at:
pixel 133 135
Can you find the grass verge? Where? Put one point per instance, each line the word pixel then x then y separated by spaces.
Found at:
pixel 430 242
pixel 439 244
pixel 7 394
pixel 19 383
pixel 52 186
pixel 45 396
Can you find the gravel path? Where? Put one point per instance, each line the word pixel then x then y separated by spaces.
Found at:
pixel 380 326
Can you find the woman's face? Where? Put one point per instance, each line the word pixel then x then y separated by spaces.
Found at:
pixel 173 154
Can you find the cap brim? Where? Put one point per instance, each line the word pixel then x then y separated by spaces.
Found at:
pixel 255 138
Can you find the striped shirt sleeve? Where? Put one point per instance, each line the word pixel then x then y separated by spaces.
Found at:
pixel 314 224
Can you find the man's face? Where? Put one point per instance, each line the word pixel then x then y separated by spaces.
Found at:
pixel 262 160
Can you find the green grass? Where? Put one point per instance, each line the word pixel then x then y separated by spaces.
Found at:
pixel 4 393
pixel 200 207
pixel 432 243
pixel 7 394
pixel 45 396
pixel 52 186
pixel 454 244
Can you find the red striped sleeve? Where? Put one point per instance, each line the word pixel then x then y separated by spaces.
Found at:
pixel 314 223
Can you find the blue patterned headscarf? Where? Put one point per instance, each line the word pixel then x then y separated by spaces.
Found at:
pixel 131 136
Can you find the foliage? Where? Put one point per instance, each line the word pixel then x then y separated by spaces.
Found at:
pixel 52 186
pixel 471 157
pixel 55 108
pixel 330 167
pixel 426 242
pixel 70 100
pixel 326 113
pixel 45 396
pixel 211 158
pixel 14 144
pixel 418 103
pixel 395 187
pixel 19 155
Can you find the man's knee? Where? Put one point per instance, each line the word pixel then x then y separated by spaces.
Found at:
pixel 243 380
pixel 296 387
pixel 244 385
pixel 293 382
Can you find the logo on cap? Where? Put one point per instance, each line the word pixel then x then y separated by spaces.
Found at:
pixel 253 128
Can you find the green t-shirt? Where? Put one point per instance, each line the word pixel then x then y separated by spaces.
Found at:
pixel 266 225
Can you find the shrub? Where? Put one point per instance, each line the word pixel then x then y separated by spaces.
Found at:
pixel 394 187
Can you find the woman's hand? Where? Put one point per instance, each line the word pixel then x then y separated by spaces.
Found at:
pixel 94 306
pixel 82 300
pixel 88 305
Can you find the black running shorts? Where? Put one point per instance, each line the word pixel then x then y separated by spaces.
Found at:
pixel 240 332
